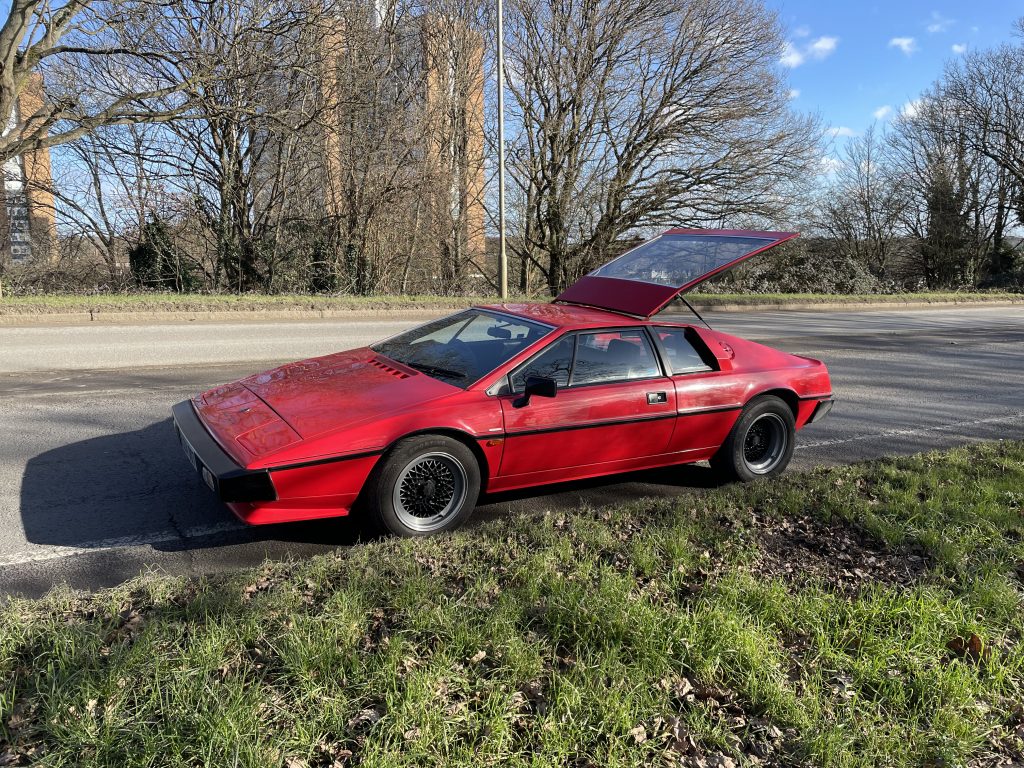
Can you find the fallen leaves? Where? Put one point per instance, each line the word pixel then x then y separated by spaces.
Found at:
pixel 970 649
pixel 364 720
pixel 262 584
pixel 800 548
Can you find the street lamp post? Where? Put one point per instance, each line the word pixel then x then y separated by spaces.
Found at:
pixel 502 257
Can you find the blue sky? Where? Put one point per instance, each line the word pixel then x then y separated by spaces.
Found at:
pixel 858 62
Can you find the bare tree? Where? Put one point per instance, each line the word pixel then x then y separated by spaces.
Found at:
pixel 373 131
pixel 107 183
pixel 106 62
pixel 642 114
pixel 986 88
pixel 863 208
pixel 236 145
pixel 950 189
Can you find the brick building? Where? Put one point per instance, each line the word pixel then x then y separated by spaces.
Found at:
pixel 27 219
pixel 446 61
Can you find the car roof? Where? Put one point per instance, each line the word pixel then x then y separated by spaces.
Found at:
pixel 569 315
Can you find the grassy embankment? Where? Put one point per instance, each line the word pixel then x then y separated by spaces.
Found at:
pixel 171 302
pixel 857 616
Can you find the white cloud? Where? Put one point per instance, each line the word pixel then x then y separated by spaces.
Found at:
pixel 882 112
pixel 829 165
pixel 911 109
pixel 939 23
pixel 906 44
pixel 821 48
pixel 802 31
pixel 959 48
pixel 794 93
pixel 842 132
pixel 791 57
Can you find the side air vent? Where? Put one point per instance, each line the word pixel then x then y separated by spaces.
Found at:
pixel 388 369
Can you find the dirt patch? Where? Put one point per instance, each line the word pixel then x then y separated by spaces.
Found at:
pixel 804 549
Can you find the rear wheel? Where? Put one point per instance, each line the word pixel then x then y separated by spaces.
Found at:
pixel 426 484
pixel 760 443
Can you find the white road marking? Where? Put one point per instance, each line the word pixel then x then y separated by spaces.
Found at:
pixel 914 431
pixel 44 553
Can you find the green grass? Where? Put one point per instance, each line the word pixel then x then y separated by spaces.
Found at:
pixel 919 297
pixel 174 302
pixel 805 620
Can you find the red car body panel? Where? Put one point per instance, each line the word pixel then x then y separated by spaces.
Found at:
pixel 299 442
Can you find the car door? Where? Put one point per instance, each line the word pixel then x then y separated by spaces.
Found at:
pixel 614 403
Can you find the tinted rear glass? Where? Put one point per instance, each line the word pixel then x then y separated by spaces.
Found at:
pixel 675 260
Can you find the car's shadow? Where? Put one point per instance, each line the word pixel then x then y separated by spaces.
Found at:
pixel 136 488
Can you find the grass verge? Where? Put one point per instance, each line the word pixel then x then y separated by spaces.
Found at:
pixel 177 302
pixel 174 302
pixel 856 616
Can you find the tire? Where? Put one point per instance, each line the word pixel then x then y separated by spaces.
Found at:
pixel 760 444
pixel 425 485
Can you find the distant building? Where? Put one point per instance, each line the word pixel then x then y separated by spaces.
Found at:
pixel 27 219
pixel 446 57
pixel 454 56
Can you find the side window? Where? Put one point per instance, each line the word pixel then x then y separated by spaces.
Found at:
pixel 682 356
pixel 553 363
pixel 614 356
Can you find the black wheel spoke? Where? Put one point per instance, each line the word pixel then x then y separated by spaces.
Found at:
pixel 765 443
pixel 429 490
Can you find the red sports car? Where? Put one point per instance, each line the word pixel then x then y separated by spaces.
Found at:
pixel 607 378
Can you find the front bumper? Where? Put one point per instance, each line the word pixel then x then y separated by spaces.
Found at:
pixel 231 482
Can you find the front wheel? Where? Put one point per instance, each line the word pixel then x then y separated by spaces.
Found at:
pixel 761 441
pixel 427 484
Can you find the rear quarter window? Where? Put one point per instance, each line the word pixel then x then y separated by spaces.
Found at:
pixel 682 355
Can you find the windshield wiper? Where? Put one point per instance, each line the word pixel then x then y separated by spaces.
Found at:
pixel 434 370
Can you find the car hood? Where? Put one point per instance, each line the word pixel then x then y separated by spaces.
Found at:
pixel 278 409
pixel 328 393
pixel 646 278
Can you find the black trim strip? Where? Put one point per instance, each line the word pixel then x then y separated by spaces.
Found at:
pixel 231 482
pixel 816 397
pixel 328 460
pixel 620 422
pixel 574 427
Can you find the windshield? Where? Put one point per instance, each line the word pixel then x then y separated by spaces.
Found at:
pixel 462 348
pixel 675 260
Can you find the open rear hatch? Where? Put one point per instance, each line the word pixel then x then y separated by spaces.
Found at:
pixel 646 278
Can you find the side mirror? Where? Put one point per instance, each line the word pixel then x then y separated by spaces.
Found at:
pixel 541 386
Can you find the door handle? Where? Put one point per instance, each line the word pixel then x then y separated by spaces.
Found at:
pixel 656 398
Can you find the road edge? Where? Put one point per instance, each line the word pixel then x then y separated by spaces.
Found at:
pixel 87 317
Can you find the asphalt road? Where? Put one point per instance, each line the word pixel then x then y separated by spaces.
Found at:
pixel 94 489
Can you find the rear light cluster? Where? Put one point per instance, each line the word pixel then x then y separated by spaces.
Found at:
pixel 388 369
